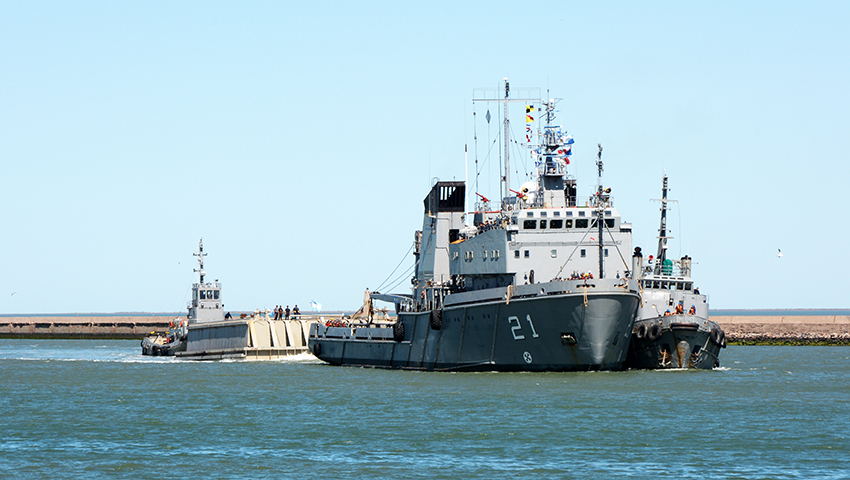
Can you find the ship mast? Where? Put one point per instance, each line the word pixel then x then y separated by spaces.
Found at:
pixel 662 230
pixel 506 179
pixel 600 208
pixel 503 96
pixel 201 256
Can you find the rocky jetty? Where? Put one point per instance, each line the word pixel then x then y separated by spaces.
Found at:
pixel 786 329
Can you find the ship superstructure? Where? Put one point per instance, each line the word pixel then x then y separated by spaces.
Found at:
pixel 206 303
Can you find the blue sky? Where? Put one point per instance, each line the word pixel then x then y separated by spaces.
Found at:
pixel 299 139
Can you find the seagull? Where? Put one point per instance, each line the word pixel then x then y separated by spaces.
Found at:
pixel 779 255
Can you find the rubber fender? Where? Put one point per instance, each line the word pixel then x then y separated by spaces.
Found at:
pixel 436 319
pixel 155 350
pixel 641 331
pixel 398 331
pixel 654 333
pixel 317 349
pixel 722 339
pixel 715 337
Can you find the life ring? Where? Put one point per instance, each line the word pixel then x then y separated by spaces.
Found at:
pixel 654 333
pixel 641 331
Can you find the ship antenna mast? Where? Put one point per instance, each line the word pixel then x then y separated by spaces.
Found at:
pixel 600 208
pixel 201 256
pixel 488 96
pixel 662 230
pixel 506 179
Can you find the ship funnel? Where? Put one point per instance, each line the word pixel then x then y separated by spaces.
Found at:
pixel 686 266
pixel 637 263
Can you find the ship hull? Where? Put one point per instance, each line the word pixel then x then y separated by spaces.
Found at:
pixel 675 341
pixel 542 327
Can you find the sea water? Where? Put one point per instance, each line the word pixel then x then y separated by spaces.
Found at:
pixel 98 409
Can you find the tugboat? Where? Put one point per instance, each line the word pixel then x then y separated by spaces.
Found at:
pixel 672 328
pixel 166 343
pixel 493 295
pixel 206 306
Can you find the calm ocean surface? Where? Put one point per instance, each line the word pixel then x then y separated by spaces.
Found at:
pixel 98 409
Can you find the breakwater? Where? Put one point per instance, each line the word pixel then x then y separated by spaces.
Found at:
pixel 117 326
pixel 785 329
pixel 83 326
pixel 743 328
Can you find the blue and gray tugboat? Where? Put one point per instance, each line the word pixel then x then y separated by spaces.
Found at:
pixel 537 285
pixel 672 328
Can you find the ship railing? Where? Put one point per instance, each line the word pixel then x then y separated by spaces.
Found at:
pixel 674 270
pixel 580 202
pixel 668 283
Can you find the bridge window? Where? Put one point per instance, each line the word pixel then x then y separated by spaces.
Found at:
pixel 569 223
pixel 581 223
pixel 516 253
pixel 529 224
pixel 215 294
pixel 203 294
pixel 542 224
pixel 526 254
pixel 556 223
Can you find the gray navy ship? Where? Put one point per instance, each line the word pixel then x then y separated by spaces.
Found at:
pixel 537 285
pixel 672 328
